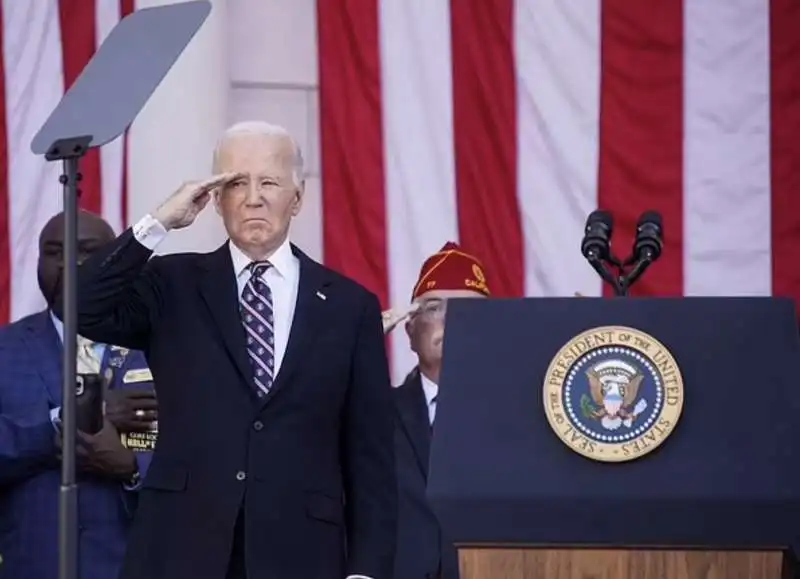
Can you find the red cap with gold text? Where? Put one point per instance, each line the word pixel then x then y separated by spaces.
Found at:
pixel 451 268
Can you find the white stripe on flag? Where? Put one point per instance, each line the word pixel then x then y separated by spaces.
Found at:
pixel 558 86
pixel 34 85
pixel 726 201
pixel 417 100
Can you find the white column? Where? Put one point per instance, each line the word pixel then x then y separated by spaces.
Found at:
pixel 173 138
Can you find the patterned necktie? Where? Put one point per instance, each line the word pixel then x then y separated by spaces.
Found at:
pixel 258 320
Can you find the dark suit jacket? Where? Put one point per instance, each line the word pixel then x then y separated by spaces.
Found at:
pixel 422 551
pixel 30 385
pixel 289 461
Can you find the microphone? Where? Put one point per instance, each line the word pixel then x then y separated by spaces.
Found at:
pixel 647 246
pixel 596 242
pixel 649 237
pixel 596 245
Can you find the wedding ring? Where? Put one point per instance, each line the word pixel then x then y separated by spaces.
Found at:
pixel 139 413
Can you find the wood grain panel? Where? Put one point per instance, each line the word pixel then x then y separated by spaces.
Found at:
pixel 503 563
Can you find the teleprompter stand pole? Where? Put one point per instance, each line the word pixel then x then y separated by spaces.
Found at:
pixel 69 151
pixel 125 70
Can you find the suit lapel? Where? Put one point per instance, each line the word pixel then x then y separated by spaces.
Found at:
pixel 309 315
pixel 42 340
pixel 414 418
pixel 221 296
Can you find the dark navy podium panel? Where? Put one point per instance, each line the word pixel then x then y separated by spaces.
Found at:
pixel 727 477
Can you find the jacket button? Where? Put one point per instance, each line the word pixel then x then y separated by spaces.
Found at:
pixel 258 425
pixel 241 475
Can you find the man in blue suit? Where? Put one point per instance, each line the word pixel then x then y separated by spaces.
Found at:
pixel 30 401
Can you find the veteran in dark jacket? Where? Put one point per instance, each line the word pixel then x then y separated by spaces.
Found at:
pixel 423 550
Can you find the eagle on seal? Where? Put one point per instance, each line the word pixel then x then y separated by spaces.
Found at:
pixel 614 386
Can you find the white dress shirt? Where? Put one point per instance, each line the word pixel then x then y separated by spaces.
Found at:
pixel 282 278
pixel 431 390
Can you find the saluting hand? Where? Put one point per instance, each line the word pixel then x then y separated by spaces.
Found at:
pixel 391 318
pixel 183 206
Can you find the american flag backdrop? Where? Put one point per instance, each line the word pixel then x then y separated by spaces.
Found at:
pixel 500 124
pixel 504 123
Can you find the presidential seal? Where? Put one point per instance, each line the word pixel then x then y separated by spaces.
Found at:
pixel 613 394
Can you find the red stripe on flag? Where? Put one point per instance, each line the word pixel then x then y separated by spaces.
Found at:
pixel 641 129
pixel 484 127
pixel 353 195
pixel 126 7
pixel 785 146
pixel 5 196
pixel 78 20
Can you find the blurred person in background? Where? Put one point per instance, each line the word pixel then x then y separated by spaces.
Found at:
pixel 109 474
pixel 275 456
pixel 423 552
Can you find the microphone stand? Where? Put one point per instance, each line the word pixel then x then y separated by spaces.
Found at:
pixel 639 267
pixel 599 266
pixel 69 151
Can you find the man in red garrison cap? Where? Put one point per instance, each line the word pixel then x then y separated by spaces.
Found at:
pixel 422 551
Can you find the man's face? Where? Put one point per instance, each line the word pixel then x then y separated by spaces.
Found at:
pixel 258 208
pixel 425 327
pixel 93 233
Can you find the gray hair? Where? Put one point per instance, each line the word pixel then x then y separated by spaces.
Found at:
pixel 268 130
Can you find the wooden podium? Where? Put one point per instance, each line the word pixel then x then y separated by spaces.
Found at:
pixel 719 499
pixel 521 563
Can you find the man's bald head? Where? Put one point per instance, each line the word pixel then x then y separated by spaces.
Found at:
pixel 93 233
pixel 89 225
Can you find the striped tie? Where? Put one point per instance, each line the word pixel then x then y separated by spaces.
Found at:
pixel 258 321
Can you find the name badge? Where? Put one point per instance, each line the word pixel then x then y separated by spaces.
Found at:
pixel 142 375
pixel 139 441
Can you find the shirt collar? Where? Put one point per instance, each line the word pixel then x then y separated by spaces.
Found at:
pixel 281 260
pixel 58 324
pixel 429 387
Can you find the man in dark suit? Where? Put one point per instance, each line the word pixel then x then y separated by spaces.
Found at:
pixel 423 552
pixel 30 400
pixel 275 455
